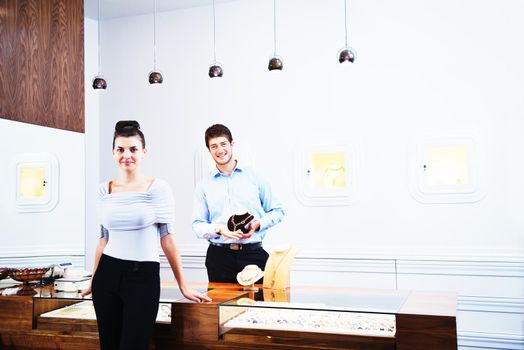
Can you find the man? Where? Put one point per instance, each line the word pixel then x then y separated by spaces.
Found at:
pixel 232 189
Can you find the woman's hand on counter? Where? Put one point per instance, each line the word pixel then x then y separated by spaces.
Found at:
pixel 86 292
pixel 194 295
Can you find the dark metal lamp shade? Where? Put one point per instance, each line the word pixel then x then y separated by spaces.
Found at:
pixel 347 54
pixel 215 70
pixel 99 83
pixel 275 63
pixel 155 78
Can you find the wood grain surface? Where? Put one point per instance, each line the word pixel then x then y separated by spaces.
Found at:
pixel 42 62
pixel 303 340
pixel 16 312
pixel 415 332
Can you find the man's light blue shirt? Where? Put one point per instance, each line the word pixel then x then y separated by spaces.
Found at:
pixel 219 196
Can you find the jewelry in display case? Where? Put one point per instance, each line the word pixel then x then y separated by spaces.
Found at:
pixel 84 310
pixel 319 321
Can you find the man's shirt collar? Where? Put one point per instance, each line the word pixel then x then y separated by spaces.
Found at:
pixel 215 172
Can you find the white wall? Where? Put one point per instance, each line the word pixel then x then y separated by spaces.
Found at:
pixel 431 66
pixel 92 139
pixel 436 66
pixel 41 239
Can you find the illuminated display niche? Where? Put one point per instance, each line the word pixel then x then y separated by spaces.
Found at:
pixel 36 179
pixel 325 176
pixel 447 169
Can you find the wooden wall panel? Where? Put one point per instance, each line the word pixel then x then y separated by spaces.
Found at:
pixel 416 332
pixel 42 62
pixel 16 313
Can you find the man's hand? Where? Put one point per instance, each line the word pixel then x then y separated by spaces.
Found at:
pixel 253 226
pixel 224 231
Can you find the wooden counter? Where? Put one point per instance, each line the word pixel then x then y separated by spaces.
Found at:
pixel 424 321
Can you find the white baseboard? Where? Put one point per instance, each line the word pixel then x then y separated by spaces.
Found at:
pixel 485 341
pixel 491 304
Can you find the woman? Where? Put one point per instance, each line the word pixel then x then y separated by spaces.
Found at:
pixel 135 210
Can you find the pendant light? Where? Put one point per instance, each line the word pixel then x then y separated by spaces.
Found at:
pixel 346 54
pixel 275 62
pixel 99 83
pixel 155 77
pixel 215 69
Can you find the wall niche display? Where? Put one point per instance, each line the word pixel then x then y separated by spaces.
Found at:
pixel 447 169
pixel 325 175
pixel 36 182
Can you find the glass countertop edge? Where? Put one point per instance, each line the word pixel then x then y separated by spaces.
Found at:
pixel 167 295
pixel 363 304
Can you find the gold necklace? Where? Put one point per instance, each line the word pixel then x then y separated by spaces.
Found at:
pixel 241 223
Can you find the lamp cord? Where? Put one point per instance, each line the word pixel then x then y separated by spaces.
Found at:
pixel 99 60
pixel 214 35
pixel 346 21
pixel 154 35
pixel 275 26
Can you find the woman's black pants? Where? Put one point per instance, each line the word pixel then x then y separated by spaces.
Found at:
pixel 125 295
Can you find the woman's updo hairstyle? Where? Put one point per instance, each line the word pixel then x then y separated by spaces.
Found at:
pixel 128 128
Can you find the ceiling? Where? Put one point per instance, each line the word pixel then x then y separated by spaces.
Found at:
pixel 125 8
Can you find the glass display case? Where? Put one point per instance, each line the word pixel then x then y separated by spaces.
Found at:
pixel 67 306
pixel 319 318
pixel 291 319
pixel 84 310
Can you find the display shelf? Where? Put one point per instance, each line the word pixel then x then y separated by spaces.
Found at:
pixel 314 321
pixel 84 310
pixel 335 319
pixel 303 309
